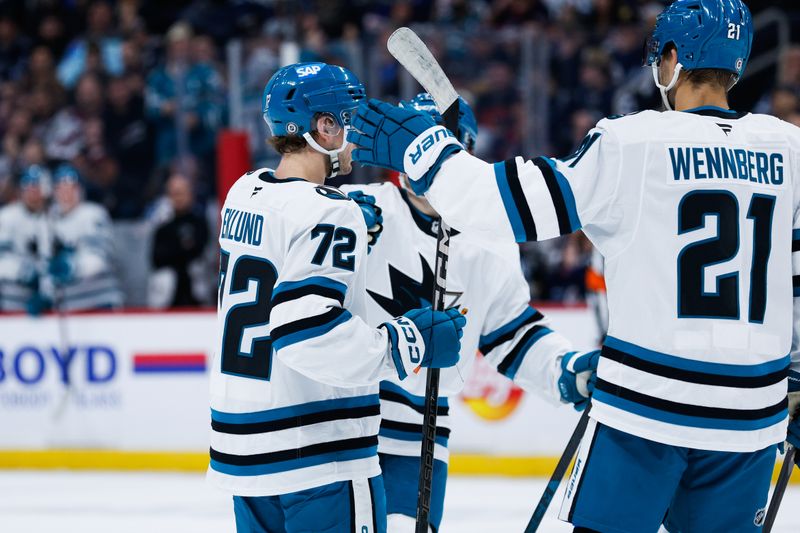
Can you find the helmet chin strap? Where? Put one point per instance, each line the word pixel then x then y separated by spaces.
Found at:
pixel 664 89
pixel 333 155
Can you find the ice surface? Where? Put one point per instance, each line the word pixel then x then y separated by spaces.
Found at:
pixel 101 502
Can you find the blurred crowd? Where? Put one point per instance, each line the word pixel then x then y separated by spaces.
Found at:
pixel 131 95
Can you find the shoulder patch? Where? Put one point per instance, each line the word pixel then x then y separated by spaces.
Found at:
pixel 331 192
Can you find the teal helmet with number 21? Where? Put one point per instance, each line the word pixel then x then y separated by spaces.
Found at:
pixel 707 34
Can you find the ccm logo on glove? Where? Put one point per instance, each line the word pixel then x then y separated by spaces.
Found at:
pixel 408 329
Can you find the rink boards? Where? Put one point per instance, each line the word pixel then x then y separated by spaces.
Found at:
pixel 128 390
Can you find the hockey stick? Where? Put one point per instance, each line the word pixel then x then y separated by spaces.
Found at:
pixel 780 487
pixel 558 473
pixel 61 318
pixel 411 52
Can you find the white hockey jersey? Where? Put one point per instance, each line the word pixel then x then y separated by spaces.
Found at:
pixel 294 383
pixel 693 213
pixel 514 337
pixel 28 241
pixel 86 232
pixel 22 233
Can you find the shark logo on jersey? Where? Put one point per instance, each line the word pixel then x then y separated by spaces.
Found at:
pixel 408 293
pixel 256 190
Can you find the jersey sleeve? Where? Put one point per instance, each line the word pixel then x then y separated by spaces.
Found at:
pixel 93 248
pixel 314 328
pixel 518 341
pixel 795 354
pixel 12 262
pixel 529 199
pixel 796 290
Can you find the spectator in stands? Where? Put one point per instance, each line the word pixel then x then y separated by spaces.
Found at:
pixel 97 164
pixel 43 106
pixel 129 140
pixel 785 101
pixel 22 228
pixel 13 49
pixel 789 70
pixel 99 44
pixel 566 282
pixel 80 262
pixel 179 243
pixel 52 34
pixel 65 138
pixel 41 73
pixel 184 96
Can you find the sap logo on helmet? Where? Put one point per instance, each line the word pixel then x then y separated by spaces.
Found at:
pixel 308 70
pixel 432 138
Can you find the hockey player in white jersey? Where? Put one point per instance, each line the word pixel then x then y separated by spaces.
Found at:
pixel 696 214
pixel 22 231
pixel 294 386
pixel 514 337
pixel 80 260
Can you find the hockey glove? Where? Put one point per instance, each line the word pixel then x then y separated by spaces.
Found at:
pixel 372 216
pixel 61 267
pixel 37 304
pixel 578 376
pixel 426 338
pixel 401 139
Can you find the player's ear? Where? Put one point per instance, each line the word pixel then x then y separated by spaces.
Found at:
pixel 327 127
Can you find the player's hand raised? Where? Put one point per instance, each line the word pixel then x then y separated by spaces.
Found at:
pixel 372 216
pixel 425 338
pixel 402 139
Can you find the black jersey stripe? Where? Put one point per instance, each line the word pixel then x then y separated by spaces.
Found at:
pixel 564 226
pixel 307 290
pixel 370 481
pixel 514 185
pixel 294 453
pixel 306 323
pixel 688 409
pixel 489 346
pixel 692 376
pixel 795 282
pixel 516 351
pixel 296 421
pixel 352 506
pixel 796 245
pixel 391 396
pixel 441 431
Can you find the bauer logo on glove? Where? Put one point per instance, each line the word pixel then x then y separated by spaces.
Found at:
pixel 425 150
pixel 429 138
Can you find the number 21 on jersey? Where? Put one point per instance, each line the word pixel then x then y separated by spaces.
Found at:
pixel 693 300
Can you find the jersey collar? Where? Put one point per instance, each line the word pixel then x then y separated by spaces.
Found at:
pixel 269 177
pixel 426 223
pixel 714 111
